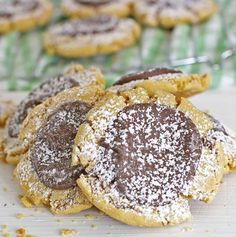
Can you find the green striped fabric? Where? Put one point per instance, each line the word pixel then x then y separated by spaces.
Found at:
pixel 24 63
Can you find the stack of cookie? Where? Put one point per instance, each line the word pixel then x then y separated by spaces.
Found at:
pixel 138 151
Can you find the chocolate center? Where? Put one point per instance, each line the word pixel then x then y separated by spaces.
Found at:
pixel 217 133
pixel 52 149
pixel 145 75
pixel 94 3
pixel 12 8
pixel 94 25
pixel 217 125
pixel 149 154
pixel 36 97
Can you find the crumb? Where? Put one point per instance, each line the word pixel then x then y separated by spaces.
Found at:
pixel 93 226
pixel 67 232
pixel 5 189
pixel 187 229
pixel 6 235
pixel 59 220
pixel 4 227
pixel 20 232
pixel 5 205
pixel 89 217
pixel 25 202
pixel 20 216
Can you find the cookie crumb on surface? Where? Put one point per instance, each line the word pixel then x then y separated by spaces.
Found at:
pixel 20 216
pixel 5 189
pixel 6 235
pixel 20 232
pixel 4 227
pixel 67 232
pixel 93 226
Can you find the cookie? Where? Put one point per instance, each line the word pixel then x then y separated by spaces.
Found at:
pixel 74 76
pixel 6 109
pixel 169 13
pixel 141 155
pixel 170 80
pixel 23 15
pixel 45 173
pixel 227 138
pixel 91 36
pixel 90 8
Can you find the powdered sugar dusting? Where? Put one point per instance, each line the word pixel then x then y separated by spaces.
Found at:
pixel 226 137
pixel 106 37
pixel 16 8
pixel 53 145
pixel 133 84
pixel 147 156
pixel 208 176
pixel 47 89
pixel 182 10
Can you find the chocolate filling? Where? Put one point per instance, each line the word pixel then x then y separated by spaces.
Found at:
pixel 93 25
pixel 217 125
pixel 52 149
pixel 36 97
pixel 12 8
pixel 149 154
pixel 145 75
pixel 94 3
pixel 217 129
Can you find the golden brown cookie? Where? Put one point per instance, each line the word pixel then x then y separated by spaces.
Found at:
pixel 227 138
pixel 6 109
pixel 89 8
pixel 142 154
pixel 169 13
pixel 170 80
pixel 45 173
pixel 23 15
pixel 91 36
pixel 73 76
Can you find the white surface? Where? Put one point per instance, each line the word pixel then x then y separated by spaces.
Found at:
pixel 215 219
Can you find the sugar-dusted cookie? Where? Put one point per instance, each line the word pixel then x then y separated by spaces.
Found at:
pixel 45 173
pixel 23 15
pixel 91 36
pixel 6 109
pixel 227 138
pixel 141 156
pixel 89 8
pixel 74 76
pixel 170 80
pixel 169 13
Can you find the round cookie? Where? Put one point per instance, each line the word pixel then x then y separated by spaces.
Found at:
pixel 45 173
pixel 6 109
pixel 141 154
pixel 89 8
pixel 169 13
pixel 23 15
pixel 170 80
pixel 227 138
pixel 73 76
pixel 91 36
